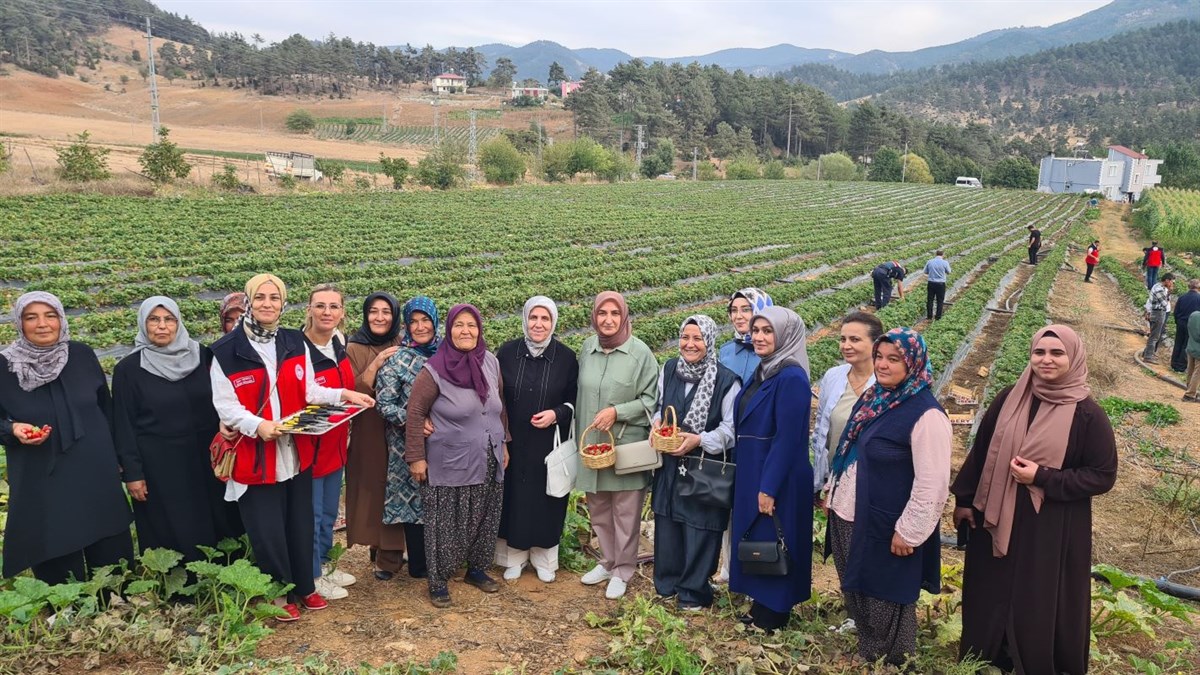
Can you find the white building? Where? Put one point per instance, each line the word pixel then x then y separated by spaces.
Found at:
pixel 1122 176
pixel 448 83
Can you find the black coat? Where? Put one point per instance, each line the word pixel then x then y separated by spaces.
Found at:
pixel 64 494
pixel 162 431
pixel 530 517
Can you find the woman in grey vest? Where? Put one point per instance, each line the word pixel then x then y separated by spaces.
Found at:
pixel 687 534
pixel 461 464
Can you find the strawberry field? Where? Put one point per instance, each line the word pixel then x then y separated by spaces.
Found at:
pixel 673 249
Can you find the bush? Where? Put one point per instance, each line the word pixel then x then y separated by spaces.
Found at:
pixel 228 178
pixel 774 170
pixel 332 170
pixel 661 161
pixel 163 161
pixel 351 127
pixel 556 162
pixel 362 183
pixel 301 121
pixel 81 161
pixel 395 168
pixel 617 167
pixel 287 181
pixel 442 168
pixel 1014 172
pixel 832 166
pixel 526 101
pixel 742 168
pixel 706 171
pixel 501 162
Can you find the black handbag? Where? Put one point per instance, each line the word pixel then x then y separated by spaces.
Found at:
pixel 707 481
pixel 763 558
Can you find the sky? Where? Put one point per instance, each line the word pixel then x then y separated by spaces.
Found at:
pixel 663 28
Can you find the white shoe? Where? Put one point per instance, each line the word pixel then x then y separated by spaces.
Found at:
pixel 721 577
pixel 513 573
pixel 329 590
pixel 595 576
pixel 615 590
pixel 547 576
pixel 336 576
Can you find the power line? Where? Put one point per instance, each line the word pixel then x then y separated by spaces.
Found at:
pixel 153 83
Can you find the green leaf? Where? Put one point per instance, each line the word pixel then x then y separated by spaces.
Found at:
pixel 204 569
pixel 34 589
pixel 160 560
pixel 141 586
pixel 10 601
pixel 62 595
pixel 1116 577
pixel 246 578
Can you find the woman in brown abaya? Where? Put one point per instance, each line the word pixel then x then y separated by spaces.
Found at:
pixel 367 456
pixel 1043 450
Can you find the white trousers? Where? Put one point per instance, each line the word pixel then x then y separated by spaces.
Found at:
pixel 540 558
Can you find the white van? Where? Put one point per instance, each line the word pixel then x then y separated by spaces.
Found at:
pixel 966 181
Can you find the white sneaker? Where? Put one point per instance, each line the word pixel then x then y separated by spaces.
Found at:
pixel 595 576
pixel 329 590
pixel 337 577
pixel 547 576
pixel 615 590
pixel 513 573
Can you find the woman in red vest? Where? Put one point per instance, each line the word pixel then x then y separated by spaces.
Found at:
pixel 1153 262
pixel 260 374
pixel 1091 260
pixel 331 368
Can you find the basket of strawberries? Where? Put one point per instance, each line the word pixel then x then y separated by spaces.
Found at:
pixel 598 455
pixel 665 437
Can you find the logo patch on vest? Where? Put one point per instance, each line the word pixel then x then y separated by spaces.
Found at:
pixel 243 381
pixel 299 372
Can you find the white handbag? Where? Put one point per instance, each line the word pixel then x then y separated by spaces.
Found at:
pixel 562 464
pixel 636 456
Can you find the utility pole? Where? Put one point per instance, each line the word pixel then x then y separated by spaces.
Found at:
pixel 473 145
pixel 904 164
pixel 788 152
pixel 385 118
pixel 695 150
pixel 436 132
pixel 641 128
pixel 539 133
pixel 153 83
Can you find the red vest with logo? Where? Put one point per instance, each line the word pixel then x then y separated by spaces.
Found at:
pixel 254 458
pixel 1154 258
pixel 330 447
pixel 1093 256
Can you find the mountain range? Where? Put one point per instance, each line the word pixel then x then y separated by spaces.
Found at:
pixel 533 60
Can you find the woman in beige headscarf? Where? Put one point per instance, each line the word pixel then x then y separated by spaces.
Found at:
pixel 1043 450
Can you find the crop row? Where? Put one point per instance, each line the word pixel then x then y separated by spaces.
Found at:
pixel 403 135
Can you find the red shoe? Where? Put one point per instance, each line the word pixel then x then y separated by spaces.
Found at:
pixel 293 613
pixel 314 602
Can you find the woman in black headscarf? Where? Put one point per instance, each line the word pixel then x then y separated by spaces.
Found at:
pixel 67 513
pixel 367 457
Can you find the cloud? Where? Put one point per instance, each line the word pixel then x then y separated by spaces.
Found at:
pixel 639 27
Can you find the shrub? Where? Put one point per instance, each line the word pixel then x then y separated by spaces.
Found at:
pixel 351 127
pixel 163 161
pixel 774 170
pixel 301 122
pixel 706 171
pixel 227 179
pixel 287 181
pixel 81 161
pixel 501 162
pixel 442 168
pixel 333 170
pixel 395 168
pixel 742 168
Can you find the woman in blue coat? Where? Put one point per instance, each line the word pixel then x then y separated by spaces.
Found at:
pixel 774 477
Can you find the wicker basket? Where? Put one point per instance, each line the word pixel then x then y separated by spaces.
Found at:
pixel 667 444
pixel 603 460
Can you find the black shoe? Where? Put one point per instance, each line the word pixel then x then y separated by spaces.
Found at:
pixel 440 599
pixel 482 581
pixel 746 619
pixel 384 575
pixel 417 574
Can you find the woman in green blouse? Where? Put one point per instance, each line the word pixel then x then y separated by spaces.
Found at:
pixel 618 376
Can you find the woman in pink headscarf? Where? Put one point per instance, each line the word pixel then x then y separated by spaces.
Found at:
pixel 1043 450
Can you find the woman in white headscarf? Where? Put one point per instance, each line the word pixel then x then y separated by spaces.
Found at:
pixel 539 375
pixel 67 513
pixel 163 419
pixel 687 530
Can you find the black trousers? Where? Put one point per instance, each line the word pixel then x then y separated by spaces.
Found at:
pixel 934 291
pixel 1088 276
pixel 1033 250
pixel 414 541
pixel 279 520
pixel 1179 353
pixel 883 290
pixel 107 551
pixel 684 557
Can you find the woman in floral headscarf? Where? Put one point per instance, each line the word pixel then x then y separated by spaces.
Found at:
pixel 1043 450
pixel 687 533
pixel 393 385
pixel 738 354
pixel 891 475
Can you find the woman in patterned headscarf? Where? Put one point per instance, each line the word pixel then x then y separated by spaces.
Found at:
pixel 891 475
pixel 1043 450
pixel 393 384
pixel 687 534
pixel 67 513
pixel 539 374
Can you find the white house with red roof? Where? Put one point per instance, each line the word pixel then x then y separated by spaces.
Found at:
pixel 448 83
pixel 1121 176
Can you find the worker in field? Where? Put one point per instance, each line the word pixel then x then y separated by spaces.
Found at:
pixel 1091 259
pixel 1185 306
pixel 1035 243
pixel 937 271
pixel 1158 306
pixel 883 275
pixel 1153 262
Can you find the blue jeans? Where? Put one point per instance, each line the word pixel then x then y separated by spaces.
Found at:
pixel 1151 277
pixel 326 492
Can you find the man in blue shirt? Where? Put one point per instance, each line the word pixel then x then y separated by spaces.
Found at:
pixel 883 275
pixel 937 270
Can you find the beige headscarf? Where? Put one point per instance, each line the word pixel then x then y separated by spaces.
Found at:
pixel 624 331
pixel 256 330
pixel 1043 441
